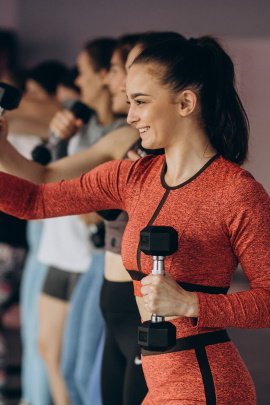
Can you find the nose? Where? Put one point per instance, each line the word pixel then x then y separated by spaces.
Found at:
pixel 77 81
pixel 132 117
pixel 123 85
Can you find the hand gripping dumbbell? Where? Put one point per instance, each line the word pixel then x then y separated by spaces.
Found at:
pixel 10 97
pixel 158 242
pixel 43 153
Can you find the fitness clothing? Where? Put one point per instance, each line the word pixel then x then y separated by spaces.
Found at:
pixel 126 379
pixel 115 229
pixel 114 232
pixel 13 231
pixel 122 378
pixel 83 335
pixel 222 216
pixel 65 242
pixel 60 283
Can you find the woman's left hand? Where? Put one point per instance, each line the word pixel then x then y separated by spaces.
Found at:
pixel 163 296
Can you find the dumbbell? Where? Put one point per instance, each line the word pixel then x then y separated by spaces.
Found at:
pixel 158 242
pixel 10 97
pixel 42 153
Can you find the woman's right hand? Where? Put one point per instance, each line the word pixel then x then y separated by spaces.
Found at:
pixel 132 155
pixel 3 128
pixel 64 124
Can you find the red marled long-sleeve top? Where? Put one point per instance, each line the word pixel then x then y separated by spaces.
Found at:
pixel 222 216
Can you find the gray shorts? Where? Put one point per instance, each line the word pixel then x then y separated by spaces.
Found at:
pixel 60 283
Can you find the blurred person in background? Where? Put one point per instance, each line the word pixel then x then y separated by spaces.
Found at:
pixel 66 246
pixel 83 347
pixel 38 104
pixel 29 125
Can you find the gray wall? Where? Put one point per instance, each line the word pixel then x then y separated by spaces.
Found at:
pixel 59 28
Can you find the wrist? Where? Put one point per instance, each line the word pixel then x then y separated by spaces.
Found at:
pixel 191 306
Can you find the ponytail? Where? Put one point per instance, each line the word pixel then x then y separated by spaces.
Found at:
pixel 204 67
pixel 223 114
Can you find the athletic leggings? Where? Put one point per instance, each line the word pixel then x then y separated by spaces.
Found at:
pixel 201 369
pixel 122 379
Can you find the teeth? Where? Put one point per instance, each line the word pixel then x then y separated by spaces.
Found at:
pixel 143 130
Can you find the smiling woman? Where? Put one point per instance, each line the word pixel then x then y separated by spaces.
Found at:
pixel 222 215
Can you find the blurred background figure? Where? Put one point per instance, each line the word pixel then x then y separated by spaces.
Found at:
pixel 68 247
pixel 28 127
pixel 37 107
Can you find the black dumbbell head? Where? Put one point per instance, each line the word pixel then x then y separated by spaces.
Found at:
pixel 10 96
pixel 41 155
pixel 82 111
pixel 159 336
pixel 158 240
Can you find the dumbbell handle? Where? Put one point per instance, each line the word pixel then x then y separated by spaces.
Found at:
pixel 158 269
pixel 158 265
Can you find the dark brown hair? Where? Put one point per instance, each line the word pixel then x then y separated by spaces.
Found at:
pixel 203 66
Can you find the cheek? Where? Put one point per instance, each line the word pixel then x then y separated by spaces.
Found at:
pixel 118 80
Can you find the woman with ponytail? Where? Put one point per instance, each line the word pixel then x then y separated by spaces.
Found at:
pixel 182 98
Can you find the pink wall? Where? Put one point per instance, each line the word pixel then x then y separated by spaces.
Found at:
pixel 9 14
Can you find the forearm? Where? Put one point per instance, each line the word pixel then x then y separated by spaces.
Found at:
pixel 247 309
pixel 75 165
pixel 12 162
pixel 91 192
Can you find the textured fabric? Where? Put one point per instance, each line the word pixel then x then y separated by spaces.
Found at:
pixel 222 216
pixel 181 382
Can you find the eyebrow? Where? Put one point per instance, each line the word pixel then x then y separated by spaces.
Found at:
pixel 134 95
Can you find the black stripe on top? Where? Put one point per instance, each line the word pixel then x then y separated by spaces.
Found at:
pixel 138 276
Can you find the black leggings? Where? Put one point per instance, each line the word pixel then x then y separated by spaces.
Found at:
pixel 122 379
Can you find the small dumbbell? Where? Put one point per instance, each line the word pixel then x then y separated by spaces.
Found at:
pixel 158 242
pixel 10 97
pixel 42 153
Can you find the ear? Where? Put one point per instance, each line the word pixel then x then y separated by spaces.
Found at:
pixel 187 101
pixel 103 74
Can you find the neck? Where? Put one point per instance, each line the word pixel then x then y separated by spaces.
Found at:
pixel 187 157
pixel 103 109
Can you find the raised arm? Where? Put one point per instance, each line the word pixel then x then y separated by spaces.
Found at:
pixel 102 188
pixel 112 146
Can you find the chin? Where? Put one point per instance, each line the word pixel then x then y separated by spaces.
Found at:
pixel 150 145
pixel 119 108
